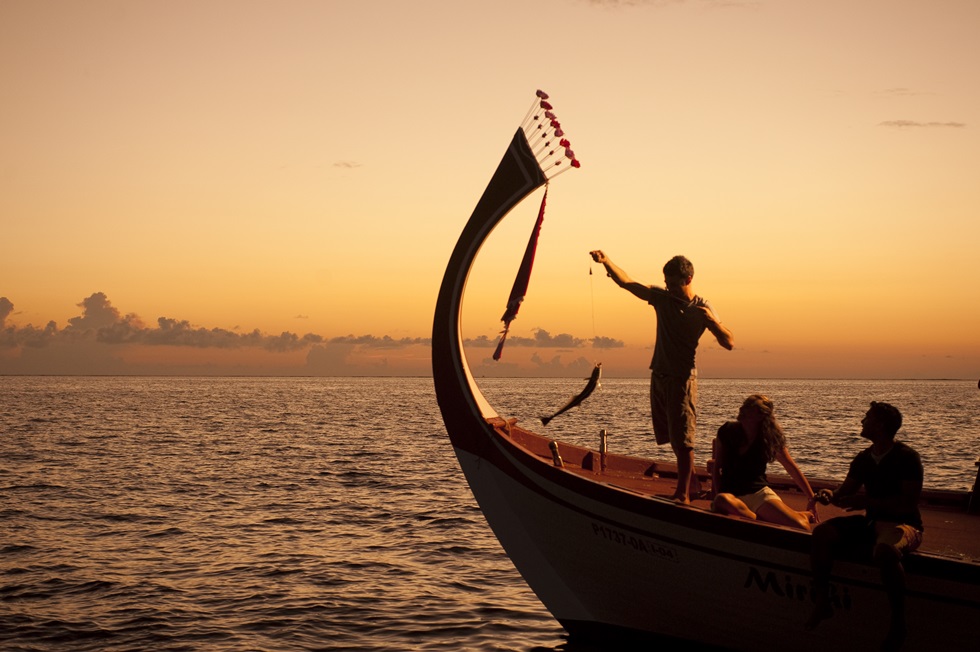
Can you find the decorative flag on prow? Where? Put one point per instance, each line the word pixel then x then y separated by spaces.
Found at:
pixel 546 138
pixel 519 291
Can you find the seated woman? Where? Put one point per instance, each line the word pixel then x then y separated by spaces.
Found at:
pixel 742 451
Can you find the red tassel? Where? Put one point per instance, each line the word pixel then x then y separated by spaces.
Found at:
pixel 500 346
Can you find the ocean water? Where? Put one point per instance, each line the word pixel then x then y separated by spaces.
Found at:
pixel 329 513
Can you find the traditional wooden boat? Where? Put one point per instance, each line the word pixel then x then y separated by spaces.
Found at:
pixel 616 561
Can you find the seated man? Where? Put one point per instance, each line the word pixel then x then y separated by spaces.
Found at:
pixel 891 527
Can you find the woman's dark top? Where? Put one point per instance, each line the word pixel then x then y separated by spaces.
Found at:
pixel 741 474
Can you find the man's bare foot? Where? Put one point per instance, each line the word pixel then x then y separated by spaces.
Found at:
pixel 682 499
pixel 821 611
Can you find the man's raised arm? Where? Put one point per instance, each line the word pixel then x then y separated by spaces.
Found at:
pixel 620 277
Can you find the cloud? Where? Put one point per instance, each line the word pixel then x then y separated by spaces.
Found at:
pixel 555 367
pixel 539 367
pixel 6 307
pixel 607 343
pixel 97 312
pixel 287 341
pixel 104 339
pixel 901 124
pixel 339 359
pixel 102 323
pixel 484 342
pixel 541 339
pixel 368 355
pixel 384 342
pixel 12 337
pixel 349 165
pixel 171 332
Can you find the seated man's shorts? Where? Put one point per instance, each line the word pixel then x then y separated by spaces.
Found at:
pixel 859 534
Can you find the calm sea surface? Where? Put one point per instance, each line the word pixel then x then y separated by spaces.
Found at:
pixel 330 514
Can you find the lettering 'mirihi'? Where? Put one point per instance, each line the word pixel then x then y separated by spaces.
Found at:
pixel 794 590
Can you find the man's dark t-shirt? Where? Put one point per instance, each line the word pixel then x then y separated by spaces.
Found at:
pixel 884 479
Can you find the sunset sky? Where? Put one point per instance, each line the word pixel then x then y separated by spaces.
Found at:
pixel 249 187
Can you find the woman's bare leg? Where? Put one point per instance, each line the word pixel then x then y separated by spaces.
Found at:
pixel 729 504
pixel 776 511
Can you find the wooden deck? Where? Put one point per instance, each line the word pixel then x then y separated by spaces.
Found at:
pixel 950 530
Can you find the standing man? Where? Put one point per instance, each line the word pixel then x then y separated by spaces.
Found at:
pixel 891 526
pixel 682 318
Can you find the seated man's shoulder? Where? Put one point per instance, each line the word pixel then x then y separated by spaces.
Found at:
pixel 904 449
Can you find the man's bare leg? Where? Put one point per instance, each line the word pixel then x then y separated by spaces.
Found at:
pixel 821 560
pixel 685 467
pixel 889 561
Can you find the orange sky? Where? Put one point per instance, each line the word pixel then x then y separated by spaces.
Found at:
pixel 275 187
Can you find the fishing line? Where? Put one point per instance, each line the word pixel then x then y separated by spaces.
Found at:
pixel 595 333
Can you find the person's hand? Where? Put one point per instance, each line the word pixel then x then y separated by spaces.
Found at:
pixel 598 256
pixel 811 510
pixel 824 496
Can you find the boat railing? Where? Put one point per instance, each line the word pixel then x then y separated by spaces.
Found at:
pixel 601 462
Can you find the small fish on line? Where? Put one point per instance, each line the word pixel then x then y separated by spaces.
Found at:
pixel 581 396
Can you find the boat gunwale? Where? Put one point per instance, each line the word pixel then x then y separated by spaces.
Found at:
pixel 533 449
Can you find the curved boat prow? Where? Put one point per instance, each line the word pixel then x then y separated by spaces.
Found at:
pixel 460 400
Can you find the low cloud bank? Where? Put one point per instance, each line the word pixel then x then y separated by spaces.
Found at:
pixel 101 322
pixel 102 340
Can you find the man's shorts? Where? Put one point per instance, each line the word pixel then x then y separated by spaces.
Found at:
pixel 858 534
pixel 900 536
pixel 673 405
